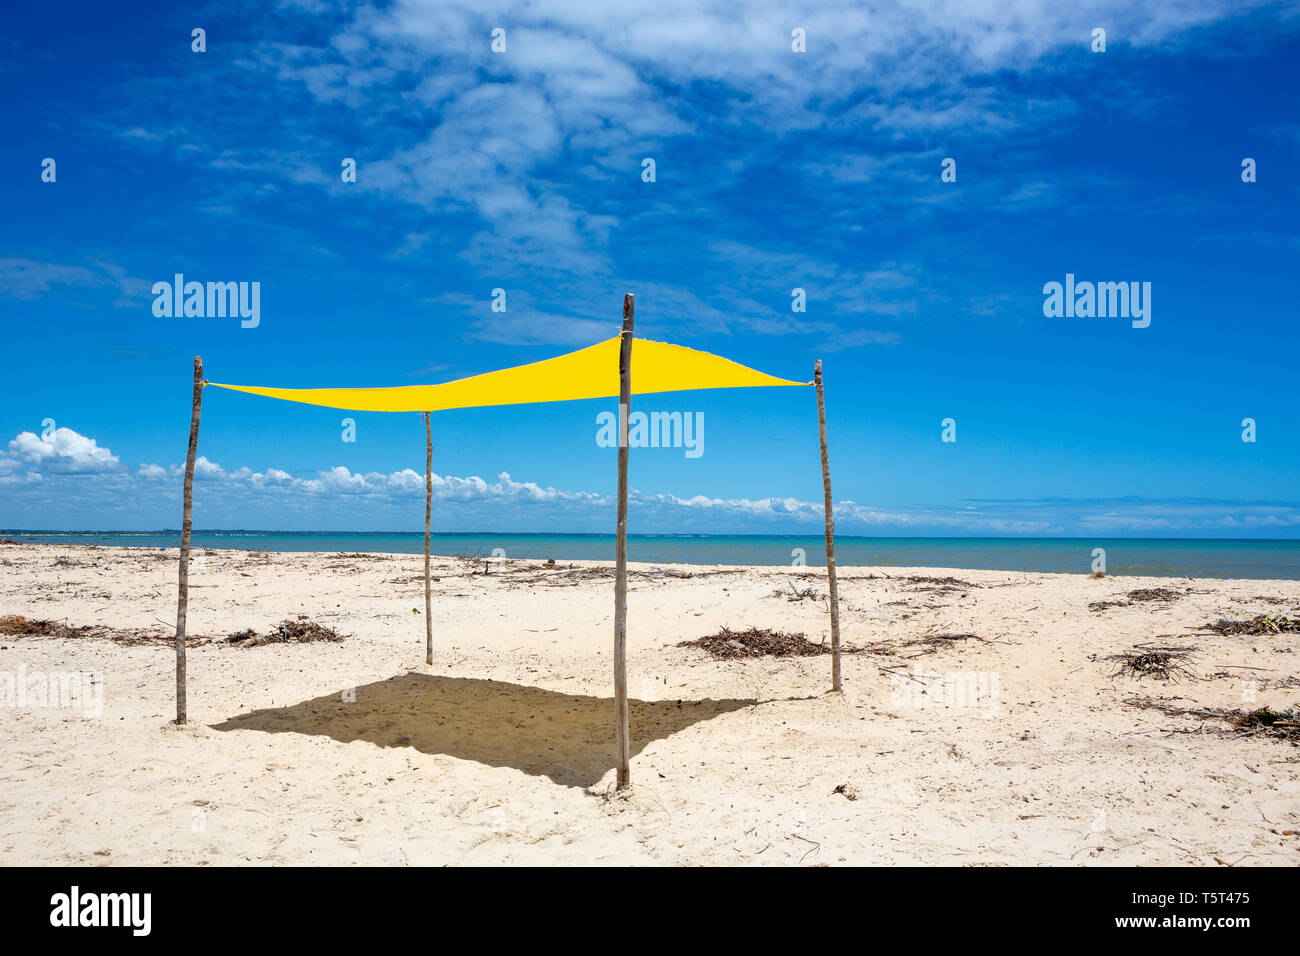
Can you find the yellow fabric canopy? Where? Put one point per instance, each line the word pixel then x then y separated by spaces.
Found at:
pixel 587 373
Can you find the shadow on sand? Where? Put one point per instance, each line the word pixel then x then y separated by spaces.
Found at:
pixel 566 737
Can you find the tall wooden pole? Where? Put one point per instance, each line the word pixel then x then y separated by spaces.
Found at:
pixel 830 532
pixel 183 592
pixel 620 552
pixel 428 510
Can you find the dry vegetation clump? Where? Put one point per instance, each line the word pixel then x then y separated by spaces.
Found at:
pixel 757 642
pixel 1261 722
pixel 940 640
pixel 550 574
pixel 1150 660
pixel 913 579
pixel 1174 710
pixel 15 625
pixel 301 631
pixel 1259 624
pixel 569 576
pixel 1272 723
pixel 1102 605
pixel 794 594
pixel 1138 596
pixel 1154 594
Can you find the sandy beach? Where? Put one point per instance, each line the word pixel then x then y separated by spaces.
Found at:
pixel 981 724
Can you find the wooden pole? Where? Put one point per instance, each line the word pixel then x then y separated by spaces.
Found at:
pixel 183 592
pixel 830 532
pixel 428 510
pixel 620 553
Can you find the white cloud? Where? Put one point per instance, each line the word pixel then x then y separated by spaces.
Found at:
pixel 207 469
pixel 63 451
pixel 44 478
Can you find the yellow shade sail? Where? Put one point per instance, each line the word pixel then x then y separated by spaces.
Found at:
pixel 587 373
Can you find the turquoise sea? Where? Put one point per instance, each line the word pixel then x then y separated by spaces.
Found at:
pixel 1213 558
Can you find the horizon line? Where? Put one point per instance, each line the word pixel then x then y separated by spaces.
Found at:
pixel 644 534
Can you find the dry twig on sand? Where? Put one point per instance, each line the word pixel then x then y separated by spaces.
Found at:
pixel 575 575
pixel 1263 721
pixel 949 581
pixel 935 642
pixel 929 644
pixel 1174 710
pixel 1162 662
pixel 798 595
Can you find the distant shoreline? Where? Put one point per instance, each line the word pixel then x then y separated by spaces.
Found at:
pixel 51 532
pixel 1258 559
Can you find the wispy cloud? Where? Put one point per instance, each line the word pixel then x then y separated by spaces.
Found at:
pixel 536 150
pixel 29 279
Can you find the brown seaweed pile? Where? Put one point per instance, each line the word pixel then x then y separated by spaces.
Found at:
pixel 15 625
pixel 757 642
pixel 1259 624
pixel 1154 594
pixel 1102 605
pixel 1272 723
pixel 301 631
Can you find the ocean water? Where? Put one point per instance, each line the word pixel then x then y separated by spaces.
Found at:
pixel 1212 558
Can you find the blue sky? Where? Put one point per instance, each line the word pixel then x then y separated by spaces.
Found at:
pixel 775 170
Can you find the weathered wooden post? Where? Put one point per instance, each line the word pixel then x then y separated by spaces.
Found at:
pixel 620 553
pixel 183 593
pixel 428 511
pixel 830 532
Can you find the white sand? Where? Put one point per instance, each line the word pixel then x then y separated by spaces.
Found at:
pixel 502 752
